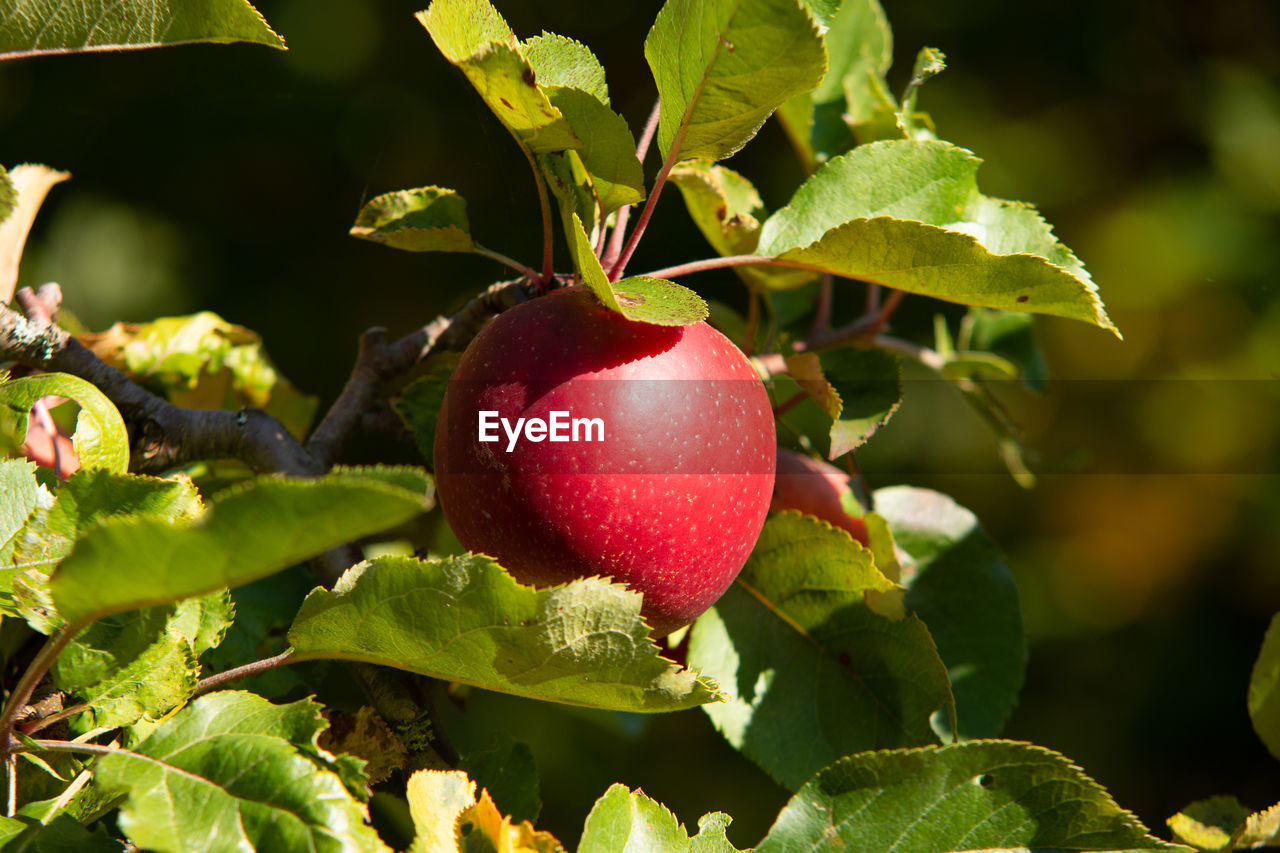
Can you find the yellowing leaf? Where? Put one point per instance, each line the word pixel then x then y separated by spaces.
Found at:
pixel 449 819
pixel 31 182
pixel 474 37
pixel 437 798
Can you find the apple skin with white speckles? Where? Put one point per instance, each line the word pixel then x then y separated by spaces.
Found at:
pixel 670 502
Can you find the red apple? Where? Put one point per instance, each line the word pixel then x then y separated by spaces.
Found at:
pixel 815 488
pixel 667 493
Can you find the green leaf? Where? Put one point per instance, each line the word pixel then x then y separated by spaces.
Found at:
pixel 264 610
pixel 418 405
pixel 979 365
pixel 474 37
pixel 506 770
pixel 639 298
pixel 32 27
pixel 723 66
pixel 157 679
pixel 232 772
pixel 930 62
pixel 727 210
pixel 962 589
pixel 908 214
pixel 623 820
pixel 62 834
pixel 868 383
pixel 1264 689
pixel 852 101
pixel 248 531
pixel 860 45
pixel 200 361
pixel 85 499
pixel 816 654
pixel 142 665
pixel 1209 824
pixel 981 795
pixel 563 62
pixel 854 392
pixel 465 619
pixel 18 492
pixel 100 439
pixel 427 219
pixel 1010 335
pixel 608 150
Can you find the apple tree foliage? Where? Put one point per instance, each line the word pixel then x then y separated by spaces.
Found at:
pixel 872 682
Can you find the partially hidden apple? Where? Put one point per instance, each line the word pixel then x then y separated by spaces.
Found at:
pixel 573 442
pixel 815 488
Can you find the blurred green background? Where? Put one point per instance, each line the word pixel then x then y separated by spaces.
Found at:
pixel 225 178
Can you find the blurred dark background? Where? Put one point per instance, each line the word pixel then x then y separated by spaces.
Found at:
pixel 225 178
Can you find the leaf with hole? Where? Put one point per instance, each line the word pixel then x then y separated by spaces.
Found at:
pixel 100 439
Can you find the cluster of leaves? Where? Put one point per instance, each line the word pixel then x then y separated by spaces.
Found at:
pixel 872 682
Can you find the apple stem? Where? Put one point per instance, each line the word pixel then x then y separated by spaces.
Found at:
pixel 527 272
pixel 610 257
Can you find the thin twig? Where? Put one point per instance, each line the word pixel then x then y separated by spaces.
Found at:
pixel 64 746
pixel 248 669
pixel 42 723
pixel 527 272
pixel 31 678
pixel 929 358
pixel 726 262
